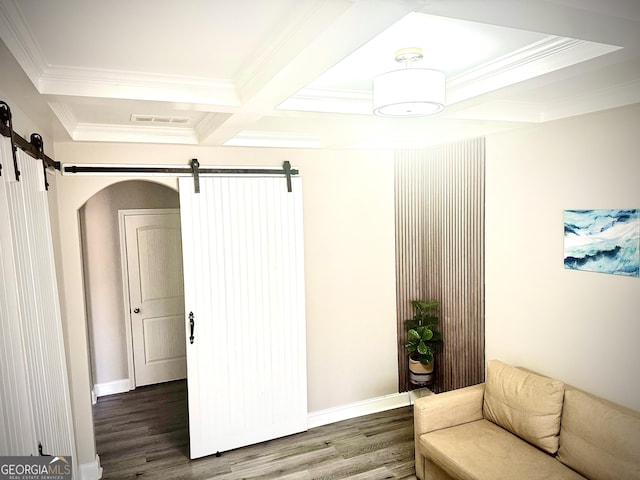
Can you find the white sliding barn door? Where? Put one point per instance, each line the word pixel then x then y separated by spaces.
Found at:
pixel 244 284
pixel 17 428
pixel 34 311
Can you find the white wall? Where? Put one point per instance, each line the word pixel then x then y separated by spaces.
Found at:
pixel 349 264
pixel 578 326
pixel 100 229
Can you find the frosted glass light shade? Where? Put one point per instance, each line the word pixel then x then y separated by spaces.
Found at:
pixel 411 92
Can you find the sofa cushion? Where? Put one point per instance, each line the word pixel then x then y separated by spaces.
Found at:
pixel 526 404
pixel 599 440
pixel 481 450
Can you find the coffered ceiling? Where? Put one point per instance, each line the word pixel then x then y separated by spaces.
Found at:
pixel 298 73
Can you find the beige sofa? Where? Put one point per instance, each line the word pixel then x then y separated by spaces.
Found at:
pixel 519 425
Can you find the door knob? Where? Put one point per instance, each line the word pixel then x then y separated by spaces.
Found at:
pixel 136 310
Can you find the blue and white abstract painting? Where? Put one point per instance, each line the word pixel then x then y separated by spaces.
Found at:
pixel 605 241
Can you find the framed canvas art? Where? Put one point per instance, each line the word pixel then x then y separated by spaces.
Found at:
pixel 605 241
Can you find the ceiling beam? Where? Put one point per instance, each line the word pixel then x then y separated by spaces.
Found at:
pixel 344 30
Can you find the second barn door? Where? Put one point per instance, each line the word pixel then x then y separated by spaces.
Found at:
pixel 244 311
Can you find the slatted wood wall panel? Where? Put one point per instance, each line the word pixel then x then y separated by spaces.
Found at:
pixel 440 254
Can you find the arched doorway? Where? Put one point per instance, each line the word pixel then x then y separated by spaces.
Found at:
pixel 103 276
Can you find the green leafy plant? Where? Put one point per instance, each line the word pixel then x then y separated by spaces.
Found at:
pixel 423 331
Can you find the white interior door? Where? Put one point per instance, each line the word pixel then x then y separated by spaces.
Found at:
pixel 244 286
pixel 156 296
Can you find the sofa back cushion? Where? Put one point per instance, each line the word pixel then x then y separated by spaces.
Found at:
pixel 598 439
pixel 526 404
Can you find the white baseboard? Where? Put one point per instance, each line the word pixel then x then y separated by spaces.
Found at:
pixel 91 471
pixel 358 409
pixel 111 388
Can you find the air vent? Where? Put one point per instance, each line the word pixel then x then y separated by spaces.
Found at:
pixel 161 119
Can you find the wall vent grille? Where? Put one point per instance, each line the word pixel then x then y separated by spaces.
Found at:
pixel 160 119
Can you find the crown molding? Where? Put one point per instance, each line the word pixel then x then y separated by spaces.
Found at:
pixel 498 111
pixel 103 83
pixel 248 138
pixel 137 86
pixel 91 132
pixel 20 42
pixel 209 123
pixel 329 101
pixel 547 55
pixel 65 115
pixel 538 58
pixel 627 93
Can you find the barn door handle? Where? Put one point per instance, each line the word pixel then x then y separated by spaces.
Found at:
pixel 192 325
pixel 41 451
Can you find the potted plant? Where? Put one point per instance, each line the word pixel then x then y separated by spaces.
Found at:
pixel 422 336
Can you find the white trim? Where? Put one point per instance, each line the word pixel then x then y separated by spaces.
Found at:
pixel 125 298
pixel 108 83
pixel 544 56
pixel 358 409
pixel 95 132
pixel 65 114
pixel 248 138
pixel 149 132
pixel 91 470
pixel 20 42
pixel 329 100
pixel 122 214
pixel 111 388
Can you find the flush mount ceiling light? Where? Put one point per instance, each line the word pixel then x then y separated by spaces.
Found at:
pixel 409 92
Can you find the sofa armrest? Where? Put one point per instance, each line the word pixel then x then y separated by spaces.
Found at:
pixel 435 412
pixel 444 410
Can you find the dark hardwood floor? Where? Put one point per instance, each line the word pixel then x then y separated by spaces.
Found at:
pixel 143 434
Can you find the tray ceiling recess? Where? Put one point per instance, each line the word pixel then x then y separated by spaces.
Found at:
pixel 300 73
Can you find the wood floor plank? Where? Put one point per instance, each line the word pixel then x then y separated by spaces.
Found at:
pixel 143 434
